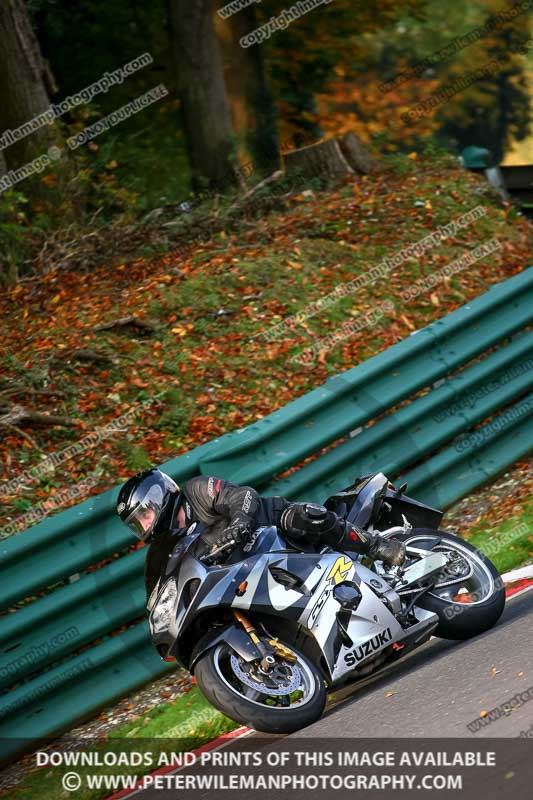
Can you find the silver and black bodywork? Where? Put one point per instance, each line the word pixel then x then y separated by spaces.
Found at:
pixel 294 595
pixel 268 632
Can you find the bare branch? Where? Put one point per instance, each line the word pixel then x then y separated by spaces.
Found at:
pixel 142 324
pixel 17 414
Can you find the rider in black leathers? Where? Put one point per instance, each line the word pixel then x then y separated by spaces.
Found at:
pixel 159 511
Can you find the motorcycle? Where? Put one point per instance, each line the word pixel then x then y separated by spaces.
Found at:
pixel 273 629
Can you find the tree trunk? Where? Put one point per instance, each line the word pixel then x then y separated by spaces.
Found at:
pixel 253 109
pixel 200 83
pixel 24 76
pixel 357 155
pixel 323 160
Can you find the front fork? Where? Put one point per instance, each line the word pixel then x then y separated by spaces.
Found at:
pixel 269 648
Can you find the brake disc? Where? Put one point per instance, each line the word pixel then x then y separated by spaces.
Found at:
pixel 290 685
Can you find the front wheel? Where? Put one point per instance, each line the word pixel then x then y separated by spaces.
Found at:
pixel 288 697
pixel 469 596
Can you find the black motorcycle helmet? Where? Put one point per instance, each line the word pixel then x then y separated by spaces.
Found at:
pixel 148 502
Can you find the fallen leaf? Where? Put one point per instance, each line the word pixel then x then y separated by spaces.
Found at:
pixel 407 322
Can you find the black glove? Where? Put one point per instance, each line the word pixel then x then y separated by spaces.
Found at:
pixel 238 531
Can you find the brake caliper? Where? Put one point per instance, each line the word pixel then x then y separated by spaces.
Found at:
pixel 265 648
pixel 282 651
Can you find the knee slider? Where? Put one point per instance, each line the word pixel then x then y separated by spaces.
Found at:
pixel 308 518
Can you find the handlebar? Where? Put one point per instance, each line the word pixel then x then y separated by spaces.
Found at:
pixel 218 550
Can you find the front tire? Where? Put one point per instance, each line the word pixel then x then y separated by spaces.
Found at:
pixel 484 589
pixel 222 678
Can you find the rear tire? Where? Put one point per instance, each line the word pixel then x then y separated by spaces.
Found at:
pixel 231 702
pixel 460 620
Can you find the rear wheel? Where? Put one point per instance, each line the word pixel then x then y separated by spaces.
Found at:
pixel 286 698
pixel 469 596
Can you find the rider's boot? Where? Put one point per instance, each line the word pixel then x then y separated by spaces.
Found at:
pixel 390 551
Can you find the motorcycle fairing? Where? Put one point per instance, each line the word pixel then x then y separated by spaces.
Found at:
pixel 368 502
pixel 372 500
pixel 311 604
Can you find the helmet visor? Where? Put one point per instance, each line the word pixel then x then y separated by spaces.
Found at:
pixel 143 519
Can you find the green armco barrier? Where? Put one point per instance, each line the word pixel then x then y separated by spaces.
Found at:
pixel 68 693
pixel 454 472
pixel 419 396
pixel 263 450
pixel 419 428
pixel 43 632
